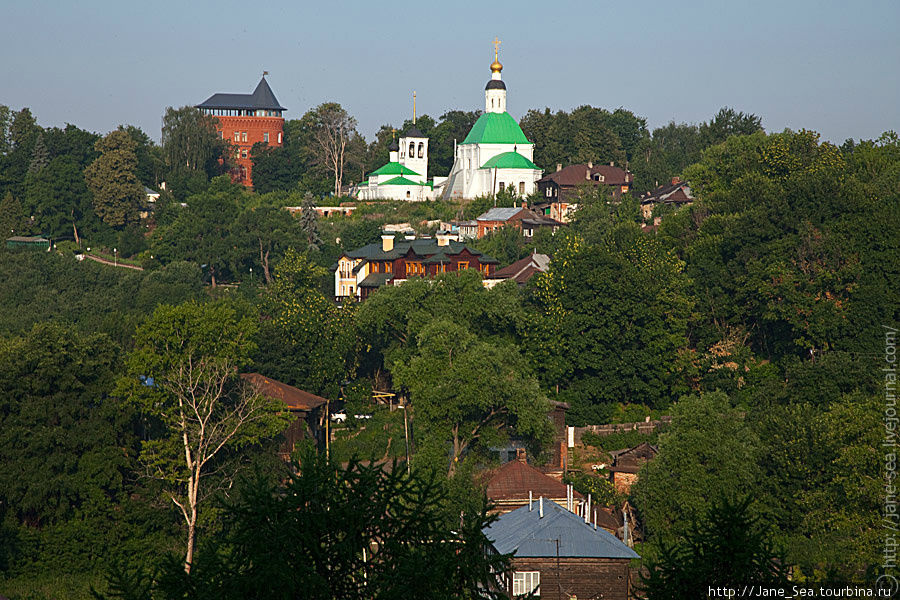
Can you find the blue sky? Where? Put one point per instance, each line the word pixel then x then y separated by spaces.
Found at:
pixel 833 67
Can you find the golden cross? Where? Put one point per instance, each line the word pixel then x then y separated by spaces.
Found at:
pixel 496 44
pixel 393 132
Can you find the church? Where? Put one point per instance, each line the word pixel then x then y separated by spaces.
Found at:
pixel 495 154
pixel 405 176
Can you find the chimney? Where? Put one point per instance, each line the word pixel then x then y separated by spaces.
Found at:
pixel 443 238
pixel 520 455
pixel 541 506
pixel 676 180
pixel 530 500
pixel 590 164
pixel 587 174
pixel 524 204
pixel 612 163
pixel 558 167
pixel 387 242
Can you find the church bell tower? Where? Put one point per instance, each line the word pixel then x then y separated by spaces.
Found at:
pixel 495 90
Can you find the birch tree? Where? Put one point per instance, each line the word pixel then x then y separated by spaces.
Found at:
pixel 332 136
pixel 183 374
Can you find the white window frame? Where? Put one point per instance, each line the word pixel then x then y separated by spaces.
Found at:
pixel 526 582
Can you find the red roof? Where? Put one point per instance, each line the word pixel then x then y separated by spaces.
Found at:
pixel 524 269
pixel 515 479
pixel 576 174
pixel 295 398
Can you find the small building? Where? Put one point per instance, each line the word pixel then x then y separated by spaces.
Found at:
pixel 510 485
pixel 306 409
pixel 28 242
pixel 245 119
pixel 524 269
pixel 359 272
pixel 520 217
pixel 676 194
pixel 558 555
pixel 559 190
pixel 627 462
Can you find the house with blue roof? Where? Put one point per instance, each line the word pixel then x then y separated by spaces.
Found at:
pixel 559 555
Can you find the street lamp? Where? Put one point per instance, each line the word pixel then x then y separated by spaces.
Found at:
pixel 115 257
pixel 251 275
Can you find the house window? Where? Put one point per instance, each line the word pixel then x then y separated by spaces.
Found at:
pixel 374 267
pixel 526 582
pixel 244 153
pixel 624 188
pixel 243 136
pixel 237 136
pixel 549 192
pixel 389 267
pixel 279 137
pixel 484 269
pixel 521 188
pixel 414 268
pixel 266 137
pixel 462 266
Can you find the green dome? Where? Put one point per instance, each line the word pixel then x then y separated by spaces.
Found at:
pixel 509 160
pixel 496 128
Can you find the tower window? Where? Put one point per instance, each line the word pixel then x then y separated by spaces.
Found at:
pixel 421 150
pixel 412 150
pixel 266 137
pixel 237 136
pixel 279 137
pixel 243 136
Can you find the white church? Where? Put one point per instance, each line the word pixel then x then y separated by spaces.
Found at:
pixel 493 156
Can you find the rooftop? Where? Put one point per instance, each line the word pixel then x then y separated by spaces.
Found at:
pixel 262 98
pixel 500 213
pixel 496 128
pixel 295 398
pixel 576 174
pixel 421 248
pixel 558 533
pixel 516 478
pixel 510 160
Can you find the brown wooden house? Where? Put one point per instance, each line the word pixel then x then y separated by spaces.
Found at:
pixel 559 190
pixel 511 486
pixel 307 409
pixel 626 464
pixel 559 556
pixel 677 193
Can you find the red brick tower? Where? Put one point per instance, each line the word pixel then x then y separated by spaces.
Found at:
pixel 245 119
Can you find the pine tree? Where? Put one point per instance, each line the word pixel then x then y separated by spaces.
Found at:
pixel 309 221
pixel 40 157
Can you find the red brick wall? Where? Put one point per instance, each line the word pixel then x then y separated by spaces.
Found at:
pixel 255 127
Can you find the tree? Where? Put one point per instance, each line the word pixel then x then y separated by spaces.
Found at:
pixel 191 142
pixel 183 374
pixel 11 216
pixel 309 221
pixel 726 123
pixel 728 546
pixel 333 132
pixel 58 198
pixel 40 158
pixel 456 399
pixel 5 122
pixel 260 231
pixel 708 454
pixel 354 532
pixel 112 180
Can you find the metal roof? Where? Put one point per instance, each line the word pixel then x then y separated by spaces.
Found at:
pixel 510 160
pixel 500 214
pixel 262 98
pixel 526 533
pixel 496 128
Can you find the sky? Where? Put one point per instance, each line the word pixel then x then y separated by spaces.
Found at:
pixel 832 67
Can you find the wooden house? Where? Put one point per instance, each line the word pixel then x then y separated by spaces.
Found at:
pixel 627 462
pixel 557 555
pixel 307 409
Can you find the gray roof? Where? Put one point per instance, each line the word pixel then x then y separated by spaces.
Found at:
pixel 524 532
pixel 262 98
pixel 500 214
pixel 495 84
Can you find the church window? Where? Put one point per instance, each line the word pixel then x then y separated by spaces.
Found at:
pixel 502 187
pixel 266 137
pixel 412 150
pixel 421 150
pixel 521 188
pixel 407 193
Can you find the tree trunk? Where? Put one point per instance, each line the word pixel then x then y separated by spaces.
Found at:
pixel 192 521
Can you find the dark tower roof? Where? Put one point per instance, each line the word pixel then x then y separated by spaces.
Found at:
pixel 394 147
pixel 262 98
pixel 495 84
pixel 414 132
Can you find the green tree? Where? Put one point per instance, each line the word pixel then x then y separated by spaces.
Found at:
pixel 354 532
pixel 183 374
pixel 191 143
pixel 452 128
pixel 261 234
pixel 309 221
pixel 40 157
pixel 5 122
pixel 58 198
pixel 116 190
pixel 12 218
pixel 727 546
pixel 458 401
pixel 708 454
